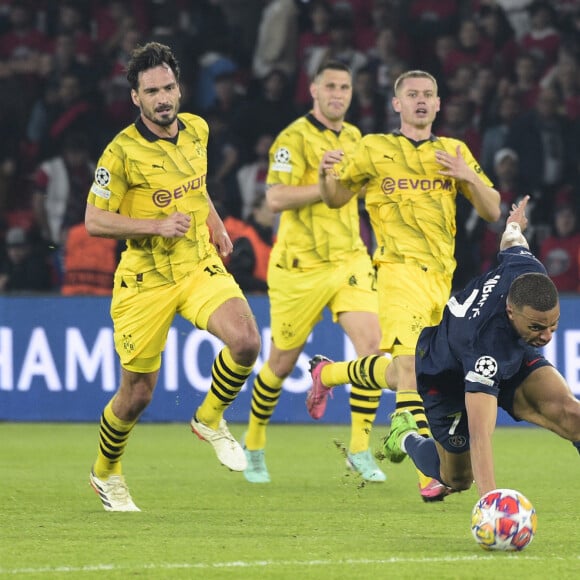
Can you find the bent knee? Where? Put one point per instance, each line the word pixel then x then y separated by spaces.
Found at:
pixel 245 348
pixel 459 484
pixel 458 481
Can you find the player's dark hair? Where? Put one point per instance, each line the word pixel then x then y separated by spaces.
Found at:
pixel 332 65
pixel 413 74
pixel 149 56
pixel 534 290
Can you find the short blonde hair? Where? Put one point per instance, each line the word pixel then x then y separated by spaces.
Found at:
pixel 414 74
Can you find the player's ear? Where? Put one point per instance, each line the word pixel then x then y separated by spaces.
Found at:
pixel 396 104
pixel 313 90
pixel 509 310
pixel 135 98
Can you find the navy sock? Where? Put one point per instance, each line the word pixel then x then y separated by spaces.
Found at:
pixel 424 454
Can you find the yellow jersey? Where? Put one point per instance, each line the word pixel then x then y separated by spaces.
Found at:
pixel 412 206
pixel 314 234
pixel 144 176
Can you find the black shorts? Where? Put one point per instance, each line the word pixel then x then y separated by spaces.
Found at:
pixel 444 400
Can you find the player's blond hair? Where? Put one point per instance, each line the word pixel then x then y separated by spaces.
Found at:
pixel 414 74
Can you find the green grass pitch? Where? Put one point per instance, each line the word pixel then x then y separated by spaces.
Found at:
pixel 313 521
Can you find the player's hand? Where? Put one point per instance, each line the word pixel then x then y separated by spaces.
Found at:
pixel 175 225
pixel 454 166
pixel 327 163
pixel 222 242
pixel 518 213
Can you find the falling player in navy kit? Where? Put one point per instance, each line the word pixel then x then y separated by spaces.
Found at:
pixel 482 355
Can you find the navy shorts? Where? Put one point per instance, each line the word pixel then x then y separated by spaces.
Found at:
pixel 444 400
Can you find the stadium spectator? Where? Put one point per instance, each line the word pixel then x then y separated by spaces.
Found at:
pixel 457 123
pixel 223 162
pixel 524 84
pixel 542 139
pixel 252 239
pixel 9 160
pixel 461 82
pixel 512 188
pixel 495 135
pixel 368 108
pixel 316 35
pixel 89 263
pixel 72 19
pixel 229 95
pixel 22 48
pixel 482 96
pixel 471 48
pixel 251 176
pixel 112 19
pixel 517 13
pixel 60 189
pixel 560 252
pixel 341 46
pixel 277 42
pixel 216 61
pixel 64 60
pixel 426 20
pixel 385 54
pixel 117 109
pixel 266 110
pixel 59 194
pixel 497 29
pixel 542 40
pixel 24 267
pixel 564 78
pixel 63 109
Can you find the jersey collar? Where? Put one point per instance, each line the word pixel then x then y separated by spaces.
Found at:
pixel 150 136
pixel 432 138
pixel 320 126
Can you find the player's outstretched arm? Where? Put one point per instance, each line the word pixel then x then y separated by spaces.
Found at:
pixel 515 225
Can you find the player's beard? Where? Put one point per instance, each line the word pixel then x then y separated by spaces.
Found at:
pixel 163 119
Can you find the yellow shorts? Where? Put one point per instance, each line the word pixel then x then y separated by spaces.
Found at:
pixel 298 297
pixel 410 299
pixel 142 316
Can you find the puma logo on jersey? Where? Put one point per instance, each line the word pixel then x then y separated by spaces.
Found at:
pixel 389 157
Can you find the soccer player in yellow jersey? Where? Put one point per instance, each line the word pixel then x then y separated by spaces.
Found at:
pixel 318 261
pixel 410 179
pixel 150 188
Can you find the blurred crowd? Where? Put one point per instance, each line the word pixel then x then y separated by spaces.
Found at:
pixel 508 74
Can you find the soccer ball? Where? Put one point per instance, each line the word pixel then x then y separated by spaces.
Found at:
pixel 503 519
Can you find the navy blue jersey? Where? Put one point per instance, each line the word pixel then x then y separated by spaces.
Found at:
pixel 475 341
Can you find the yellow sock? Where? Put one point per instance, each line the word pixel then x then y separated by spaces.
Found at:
pixel 265 395
pixel 113 436
pixel 363 410
pixel 228 378
pixel 367 371
pixel 411 401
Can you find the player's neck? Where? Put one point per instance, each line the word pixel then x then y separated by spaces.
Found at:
pixel 416 133
pixel 333 125
pixel 163 132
